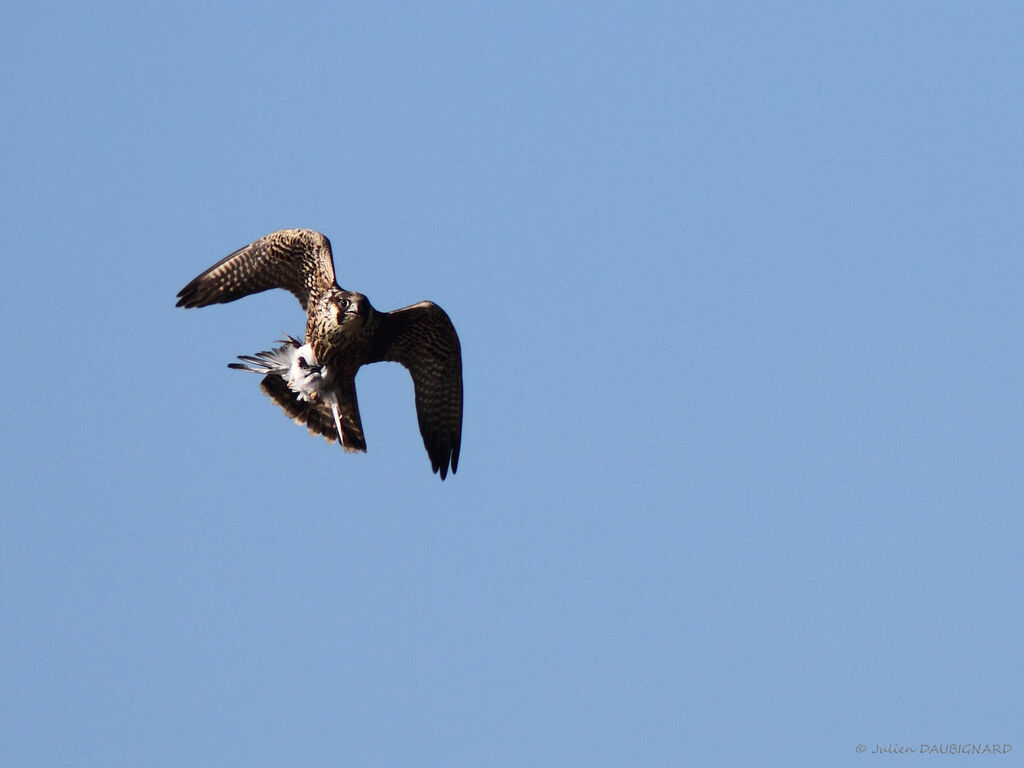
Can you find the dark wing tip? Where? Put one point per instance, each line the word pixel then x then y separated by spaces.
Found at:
pixel 443 452
pixel 193 295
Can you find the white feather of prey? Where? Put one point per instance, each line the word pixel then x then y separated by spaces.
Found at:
pixel 297 365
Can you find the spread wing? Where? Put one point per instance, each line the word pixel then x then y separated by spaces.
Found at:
pixel 298 260
pixel 423 339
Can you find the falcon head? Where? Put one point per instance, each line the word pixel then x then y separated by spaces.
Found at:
pixel 350 308
pixel 338 319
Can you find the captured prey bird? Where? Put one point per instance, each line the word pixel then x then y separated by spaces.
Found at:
pixel 314 381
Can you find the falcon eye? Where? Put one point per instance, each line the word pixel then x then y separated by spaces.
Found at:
pixel 343 303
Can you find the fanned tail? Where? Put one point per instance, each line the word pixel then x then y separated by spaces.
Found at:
pixel 323 416
pixel 307 393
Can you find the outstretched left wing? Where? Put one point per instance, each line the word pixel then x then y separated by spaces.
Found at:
pixel 423 339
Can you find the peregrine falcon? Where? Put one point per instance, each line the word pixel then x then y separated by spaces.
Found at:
pixel 314 381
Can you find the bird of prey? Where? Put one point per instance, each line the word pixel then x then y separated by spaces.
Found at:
pixel 314 381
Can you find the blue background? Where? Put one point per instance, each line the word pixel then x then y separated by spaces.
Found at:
pixel 739 288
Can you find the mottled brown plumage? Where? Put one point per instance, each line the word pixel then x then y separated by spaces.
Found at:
pixel 315 384
pixel 298 260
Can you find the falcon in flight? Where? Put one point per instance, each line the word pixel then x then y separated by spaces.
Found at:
pixel 314 381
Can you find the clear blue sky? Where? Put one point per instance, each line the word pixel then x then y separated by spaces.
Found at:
pixel 739 288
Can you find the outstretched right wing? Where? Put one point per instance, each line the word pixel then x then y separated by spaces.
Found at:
pixel 298 260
